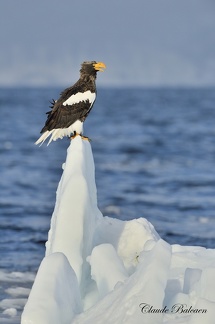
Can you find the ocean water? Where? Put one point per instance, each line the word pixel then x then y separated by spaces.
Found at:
pixel 154 152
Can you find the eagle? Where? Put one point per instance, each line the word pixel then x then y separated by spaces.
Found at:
pixel 69 112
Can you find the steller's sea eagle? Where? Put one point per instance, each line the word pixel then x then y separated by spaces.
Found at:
pixel 71 109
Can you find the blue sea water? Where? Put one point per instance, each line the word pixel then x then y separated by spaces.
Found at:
pixel 154 152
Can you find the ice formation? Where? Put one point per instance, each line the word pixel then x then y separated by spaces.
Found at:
pixel 103 270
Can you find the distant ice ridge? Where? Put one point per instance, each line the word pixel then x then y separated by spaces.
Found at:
pixel 103 270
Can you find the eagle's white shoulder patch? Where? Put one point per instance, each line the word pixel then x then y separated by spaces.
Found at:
pixel 80 96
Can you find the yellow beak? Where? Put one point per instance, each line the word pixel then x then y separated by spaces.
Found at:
pixel 99 66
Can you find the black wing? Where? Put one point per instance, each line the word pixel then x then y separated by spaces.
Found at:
pixel 62 116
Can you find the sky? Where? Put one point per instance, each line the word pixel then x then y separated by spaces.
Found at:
pixel 142 42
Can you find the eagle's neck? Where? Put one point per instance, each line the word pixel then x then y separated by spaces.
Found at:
pixel 88 77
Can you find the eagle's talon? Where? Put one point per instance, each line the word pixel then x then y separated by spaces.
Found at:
pixel 74 136
pixel 86 138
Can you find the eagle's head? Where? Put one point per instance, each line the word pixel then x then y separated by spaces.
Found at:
pixel 92 67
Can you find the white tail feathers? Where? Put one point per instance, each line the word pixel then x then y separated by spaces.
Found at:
pixel 55 134
pixel 42 138
pixel 60 133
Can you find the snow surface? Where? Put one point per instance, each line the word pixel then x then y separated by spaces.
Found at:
pixel 103 270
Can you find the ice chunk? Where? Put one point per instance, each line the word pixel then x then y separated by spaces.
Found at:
pixel 106 268
pixel 55 296
pixel 173 287
pixel 129 238
pixel 180 299
pixel 10 312
pixel 208 284
pixel 16 303
pixel 76 211
pixel 205 312
pixel 136 233
pixel 137 275
pixel 18 291
pixel 146 285
pixel 191 277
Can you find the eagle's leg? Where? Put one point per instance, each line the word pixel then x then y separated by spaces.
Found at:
pixel 74 135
